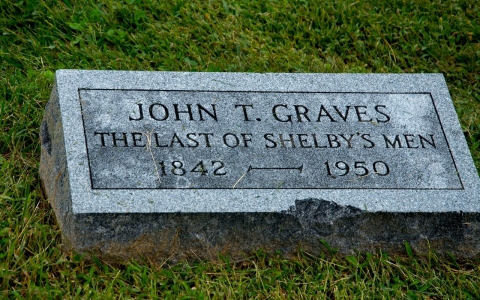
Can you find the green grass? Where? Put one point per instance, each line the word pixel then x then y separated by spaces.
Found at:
pixel 39 37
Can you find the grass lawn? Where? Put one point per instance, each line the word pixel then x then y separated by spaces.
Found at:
pixel 38 37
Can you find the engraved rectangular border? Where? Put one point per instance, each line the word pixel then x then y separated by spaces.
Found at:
pixel 267 92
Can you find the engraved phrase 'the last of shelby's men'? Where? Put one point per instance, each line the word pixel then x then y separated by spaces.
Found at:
pixel 282 113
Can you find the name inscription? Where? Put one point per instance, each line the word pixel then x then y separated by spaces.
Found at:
pixel 265 140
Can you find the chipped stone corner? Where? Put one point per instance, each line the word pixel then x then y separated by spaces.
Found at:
pixel 321 210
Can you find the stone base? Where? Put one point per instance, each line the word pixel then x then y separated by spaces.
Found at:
pixel 156 237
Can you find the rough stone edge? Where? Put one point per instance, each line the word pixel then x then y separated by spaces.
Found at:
pixel 118 238
pixel 54 178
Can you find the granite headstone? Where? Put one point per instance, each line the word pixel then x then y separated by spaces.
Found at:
pixel 150 165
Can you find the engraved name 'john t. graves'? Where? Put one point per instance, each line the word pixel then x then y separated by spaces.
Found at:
pixel 148 164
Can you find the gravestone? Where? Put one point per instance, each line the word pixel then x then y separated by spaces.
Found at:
pixel 151 165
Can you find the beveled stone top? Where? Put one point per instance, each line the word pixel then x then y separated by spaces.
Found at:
pixel 247 142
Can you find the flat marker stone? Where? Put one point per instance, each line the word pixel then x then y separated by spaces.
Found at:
pixel 146 165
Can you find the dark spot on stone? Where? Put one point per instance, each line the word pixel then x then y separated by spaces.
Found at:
pixel 322 211
pixel 45 137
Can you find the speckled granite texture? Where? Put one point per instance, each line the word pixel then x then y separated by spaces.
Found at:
pixel 151 165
